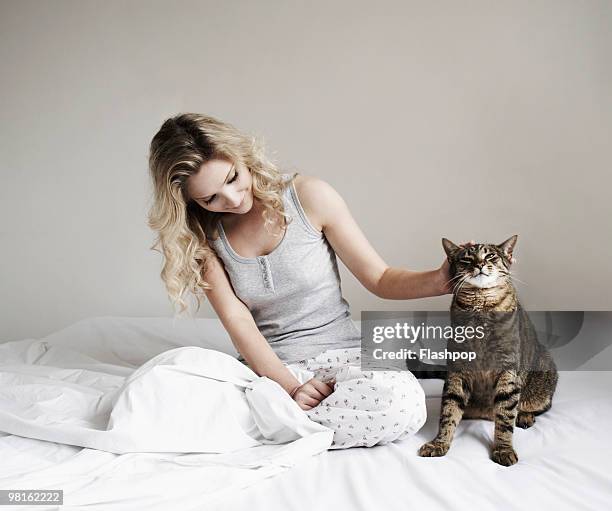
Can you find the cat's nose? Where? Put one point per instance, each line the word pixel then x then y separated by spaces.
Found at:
pixel 480 268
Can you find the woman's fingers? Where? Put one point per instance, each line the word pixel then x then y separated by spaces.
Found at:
pixel 307 400
pixel 323 388
pixel 310 390
pixel 467 244
pixel 312 393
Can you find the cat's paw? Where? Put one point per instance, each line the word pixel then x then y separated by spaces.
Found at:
pixel 505 456
pixel 525 420
pixel 433 448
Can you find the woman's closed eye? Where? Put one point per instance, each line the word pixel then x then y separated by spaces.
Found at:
pixel 212 199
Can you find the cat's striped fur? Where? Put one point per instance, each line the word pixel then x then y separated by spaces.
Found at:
pixel 514 377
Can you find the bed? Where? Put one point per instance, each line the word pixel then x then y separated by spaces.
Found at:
pixel 564 459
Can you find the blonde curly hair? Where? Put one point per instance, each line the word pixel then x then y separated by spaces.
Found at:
pixel 177 151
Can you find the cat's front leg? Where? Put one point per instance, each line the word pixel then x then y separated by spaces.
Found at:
pixel 505 406
pixel 455 396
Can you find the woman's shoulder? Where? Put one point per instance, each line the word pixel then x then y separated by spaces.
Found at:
pixel 316 197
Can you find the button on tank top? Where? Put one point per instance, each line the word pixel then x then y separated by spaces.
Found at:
pixel 294 293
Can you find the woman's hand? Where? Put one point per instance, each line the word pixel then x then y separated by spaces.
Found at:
pixel 311 393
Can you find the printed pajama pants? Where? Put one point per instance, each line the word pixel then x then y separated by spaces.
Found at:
pixel 366 408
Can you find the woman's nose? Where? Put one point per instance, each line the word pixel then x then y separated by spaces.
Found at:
pixel 233 201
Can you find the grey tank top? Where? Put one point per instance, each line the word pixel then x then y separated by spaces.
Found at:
pixel 294 293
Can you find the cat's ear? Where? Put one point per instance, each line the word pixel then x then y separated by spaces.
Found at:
pixel 507 247
pixel 449 247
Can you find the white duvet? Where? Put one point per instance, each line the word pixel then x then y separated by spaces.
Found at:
pixel 187 413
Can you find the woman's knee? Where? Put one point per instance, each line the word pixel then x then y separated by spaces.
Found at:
pixel 407 399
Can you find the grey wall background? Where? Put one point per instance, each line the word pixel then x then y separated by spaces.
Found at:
pixel 467 120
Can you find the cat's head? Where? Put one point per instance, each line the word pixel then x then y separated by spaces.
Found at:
pixel 482 265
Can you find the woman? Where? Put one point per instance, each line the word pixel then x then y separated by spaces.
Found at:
pixel 262 245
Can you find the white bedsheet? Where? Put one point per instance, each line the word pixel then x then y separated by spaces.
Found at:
pixel 565 464
pixel 184 400
pixel 564 459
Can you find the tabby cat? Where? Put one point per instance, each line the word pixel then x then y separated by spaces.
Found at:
pixel 514 376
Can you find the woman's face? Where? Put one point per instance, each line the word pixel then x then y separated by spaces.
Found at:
pixel 222 187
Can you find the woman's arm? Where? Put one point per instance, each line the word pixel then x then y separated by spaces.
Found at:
pixel 402 284
pixel 328 212
pixel 252 345
pixel 242 329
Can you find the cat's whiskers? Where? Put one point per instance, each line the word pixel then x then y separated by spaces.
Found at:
pixel 459 284
pixel 462 284
pixel 513 278
pixel 461 276
pixel 451 279
pixel 456 284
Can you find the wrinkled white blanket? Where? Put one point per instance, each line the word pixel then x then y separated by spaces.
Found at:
pixel 182 400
